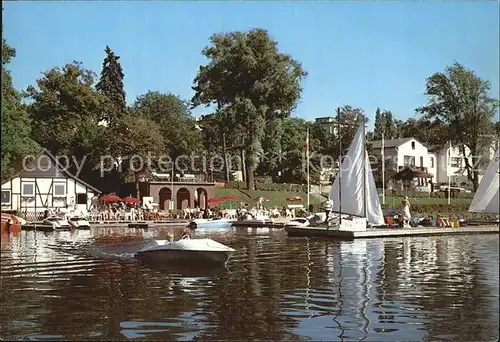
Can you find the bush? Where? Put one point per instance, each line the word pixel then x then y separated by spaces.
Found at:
pixel 264 186
pixel 438 194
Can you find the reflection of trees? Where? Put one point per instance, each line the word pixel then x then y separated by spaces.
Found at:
pixel 273 286
pixel 248 303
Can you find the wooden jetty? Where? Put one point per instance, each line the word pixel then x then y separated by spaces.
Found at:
pixel 331 232
pixel 39 225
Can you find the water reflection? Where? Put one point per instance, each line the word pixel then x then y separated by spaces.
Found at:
pixel 78 285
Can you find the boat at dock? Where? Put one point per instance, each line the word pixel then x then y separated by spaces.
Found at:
pixel 11 223
pixel 486 199
pixel 186 251
pixel 211 225
pixel 355 199
pixel 78 222
pixel 58 223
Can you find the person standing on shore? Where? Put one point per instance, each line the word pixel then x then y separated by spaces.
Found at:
pixel 328 208
pixel 406 213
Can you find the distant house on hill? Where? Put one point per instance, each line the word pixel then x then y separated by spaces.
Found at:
pixel 42 182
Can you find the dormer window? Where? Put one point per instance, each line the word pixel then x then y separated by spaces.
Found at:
pixel 412 145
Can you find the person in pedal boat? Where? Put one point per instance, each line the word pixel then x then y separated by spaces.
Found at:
pixel 328 208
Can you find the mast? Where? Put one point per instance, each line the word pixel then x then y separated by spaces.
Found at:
pixel 307 154
pixel 340 164
pixel 448 172
pixel 383 170
pixel 172 188
pixel 364 167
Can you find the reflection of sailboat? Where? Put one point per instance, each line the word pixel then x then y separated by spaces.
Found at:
pixel 354 193
pixel 486 197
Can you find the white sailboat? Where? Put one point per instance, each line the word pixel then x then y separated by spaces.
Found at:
pixel 486 198
pixel 354 193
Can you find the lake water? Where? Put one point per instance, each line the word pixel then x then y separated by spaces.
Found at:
pixel 73 285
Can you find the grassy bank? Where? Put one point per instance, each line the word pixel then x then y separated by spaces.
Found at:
pixel 420 206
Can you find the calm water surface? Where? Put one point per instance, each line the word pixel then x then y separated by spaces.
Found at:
pixel 73 285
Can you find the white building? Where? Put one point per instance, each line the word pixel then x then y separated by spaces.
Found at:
pixel 43 182
pixel 450 163
pixel 403 153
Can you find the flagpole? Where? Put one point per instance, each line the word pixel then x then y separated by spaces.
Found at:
pixel 383 170
pixel 172 186
pixel 449 178
pixel 339 134
pixel 307 155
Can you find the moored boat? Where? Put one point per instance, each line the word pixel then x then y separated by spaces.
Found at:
pixel 78 222
pixel 57 223
pixel 355 199
pixel 211 225
pixel 11 223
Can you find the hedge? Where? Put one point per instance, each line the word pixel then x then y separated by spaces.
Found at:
pixel 268 186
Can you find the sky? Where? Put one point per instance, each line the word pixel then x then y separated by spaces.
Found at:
pixel 359 53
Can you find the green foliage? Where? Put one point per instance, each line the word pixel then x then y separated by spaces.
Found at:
pixel 384 125
pixel 16 124
pixel 172 117
pixel 111 85
pixel 67 111
pixel 460 99
pixel 252 82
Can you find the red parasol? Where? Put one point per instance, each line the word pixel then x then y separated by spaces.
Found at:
pixel 111 198
pixel 295 198
pixel 215 200
pixel 131 200
pixel 229 198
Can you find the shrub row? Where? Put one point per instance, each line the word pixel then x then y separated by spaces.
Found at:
pixel 438 194
pixel 268 186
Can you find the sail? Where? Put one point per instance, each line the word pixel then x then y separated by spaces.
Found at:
pixel 486 197
pixel 351 180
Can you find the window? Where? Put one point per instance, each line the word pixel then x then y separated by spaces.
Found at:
pixel 412 145
pixel 421 161
pixel 456 162
pixel 5 196
pixel 59 189
pixel 81 198
pixel 28 189
pixel 409 161
pixel 432 162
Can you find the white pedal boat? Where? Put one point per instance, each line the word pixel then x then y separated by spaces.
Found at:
pixel 187 251
pixel 57 223
pixel 79 222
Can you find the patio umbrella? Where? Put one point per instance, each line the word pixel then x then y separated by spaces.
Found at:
pixel 214 200
pixel 111 198
pixel 131 200
pixel 295 198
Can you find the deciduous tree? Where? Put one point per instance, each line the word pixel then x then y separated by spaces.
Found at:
pixel 16 124
pixel 66 111
pixel 460 99
pixel 252 81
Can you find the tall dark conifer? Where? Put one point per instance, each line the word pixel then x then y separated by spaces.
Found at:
pixel 111 83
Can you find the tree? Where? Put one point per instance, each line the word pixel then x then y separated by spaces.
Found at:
pixel 171 115
pixel 16 124
pixel 140 141
pixel 66 111
pixel 252 82
pixel 350 119
pixel 460 99
pixel 111 85
pixel 384 125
